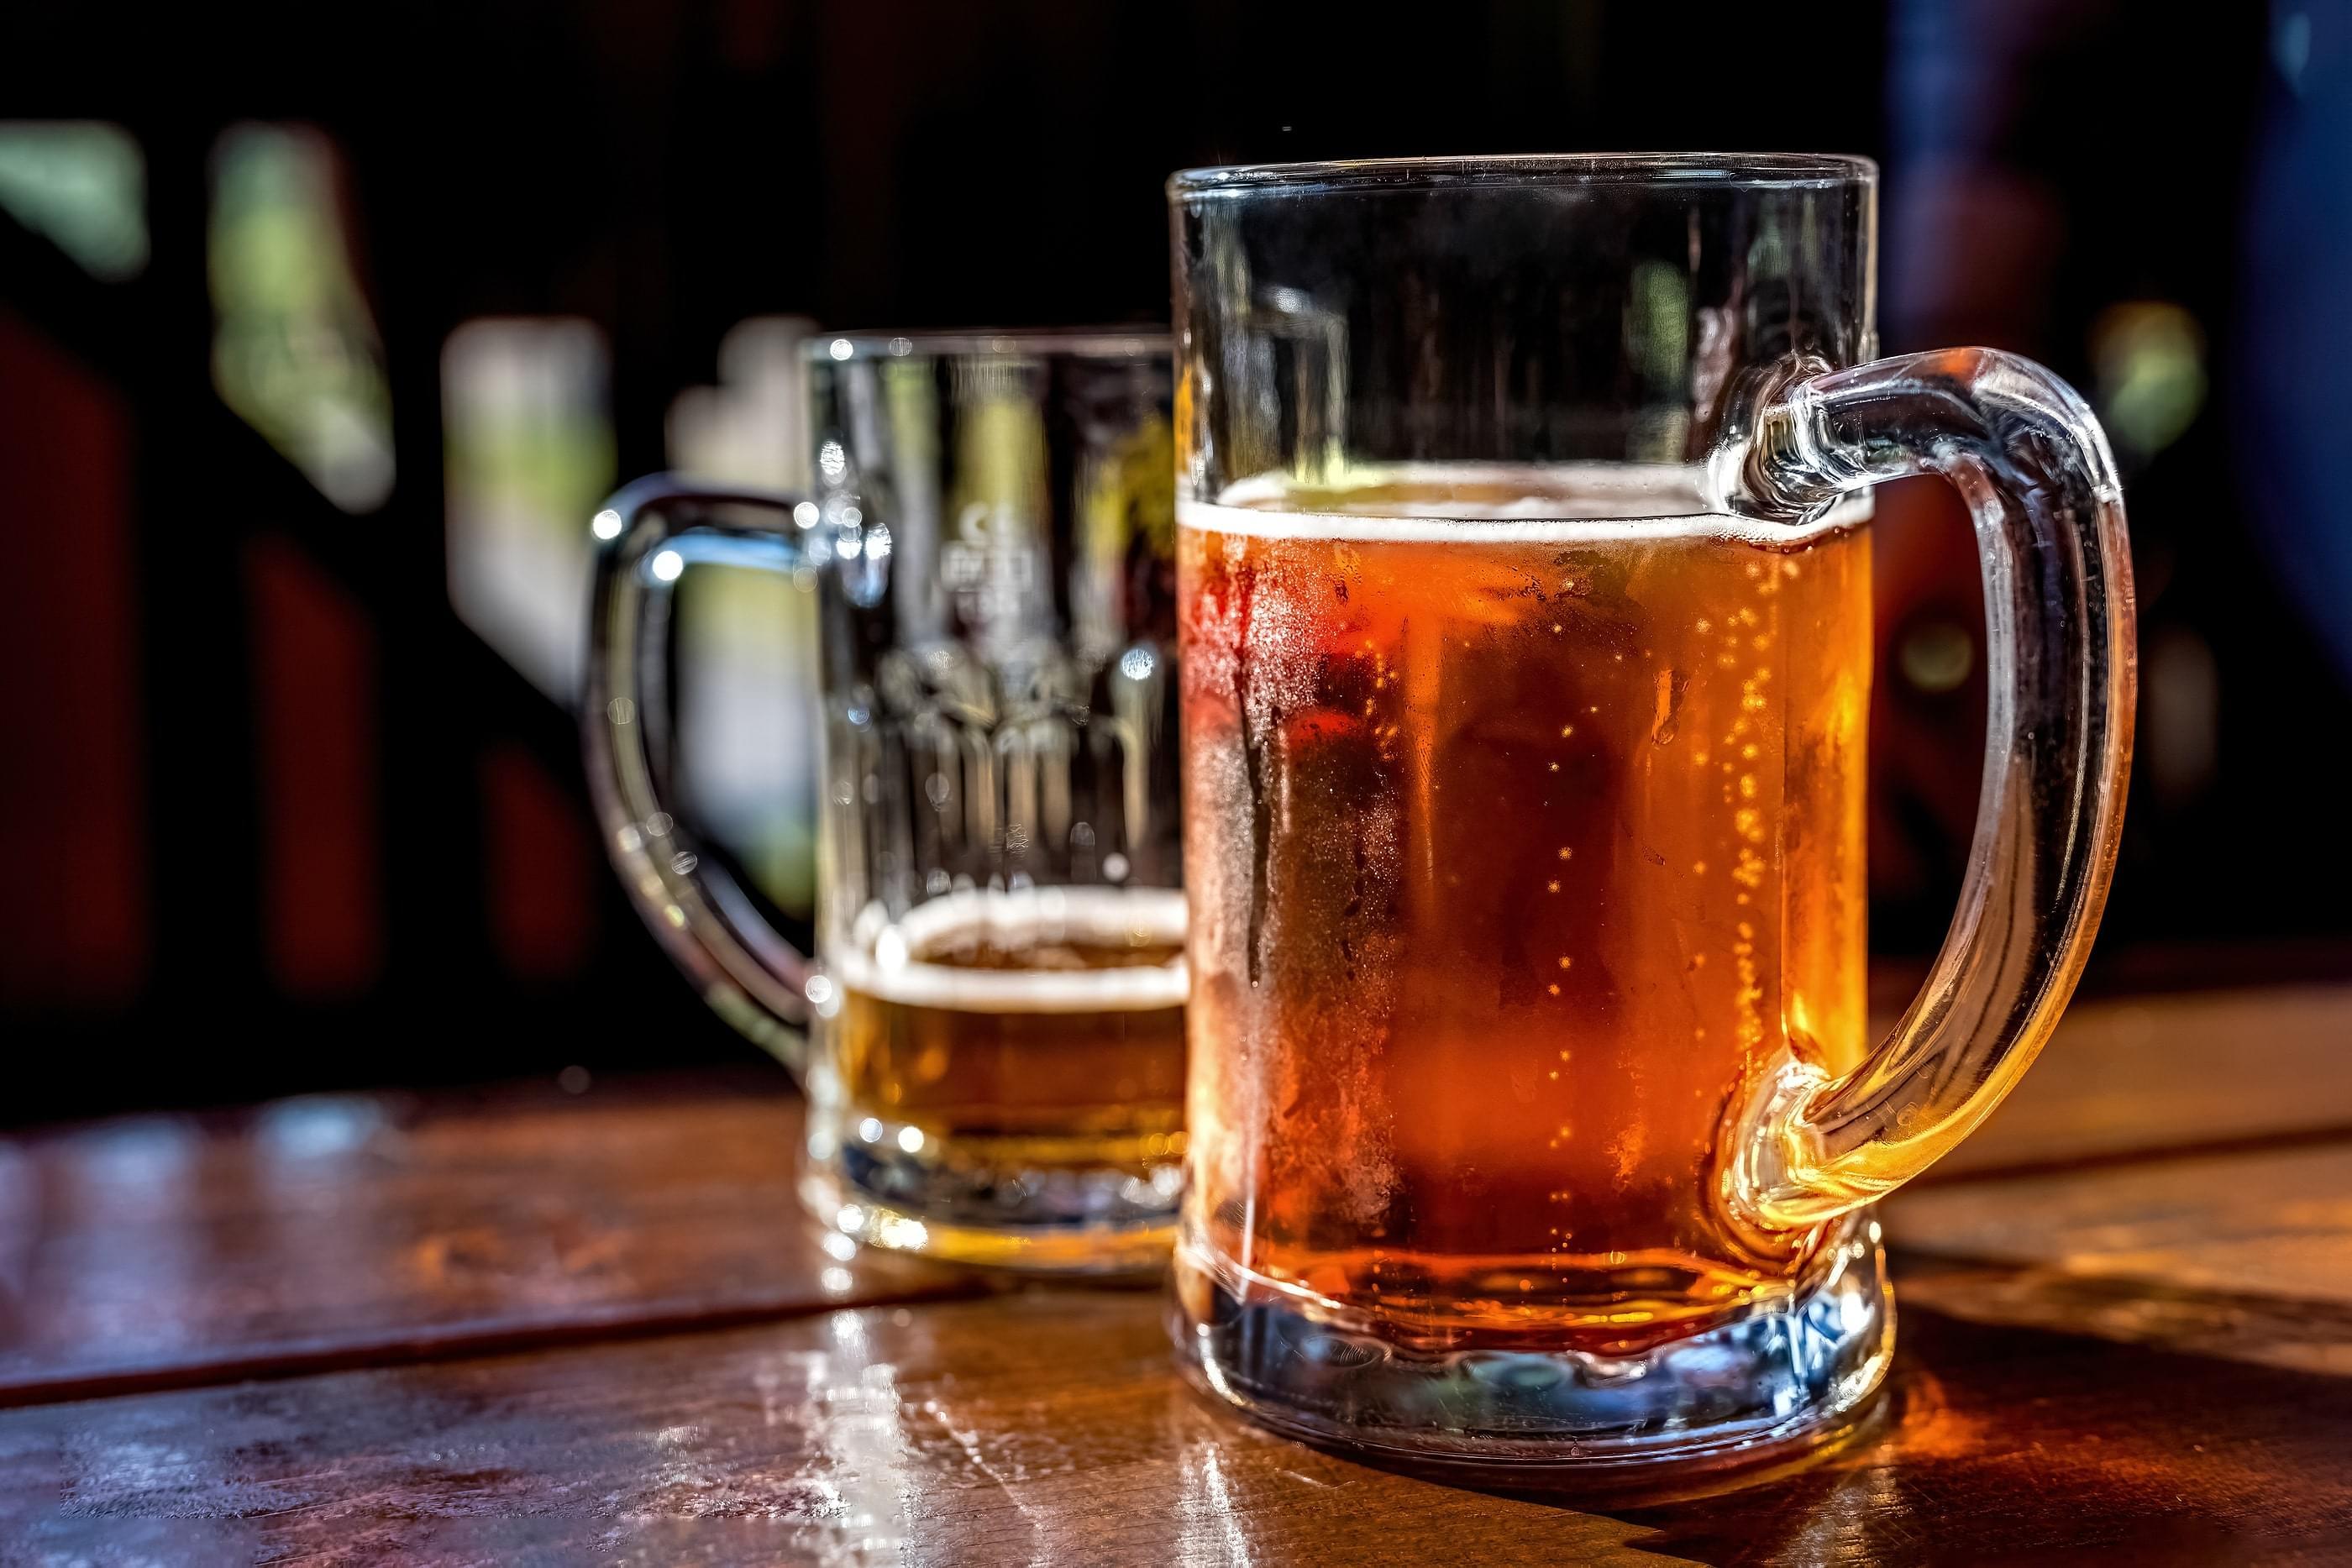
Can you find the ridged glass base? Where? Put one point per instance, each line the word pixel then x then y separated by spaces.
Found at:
pixel 1056 1218
pixel 1785 1376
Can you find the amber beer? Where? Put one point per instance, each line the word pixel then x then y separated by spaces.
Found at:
pixel 1033 1031
pixel 1523 830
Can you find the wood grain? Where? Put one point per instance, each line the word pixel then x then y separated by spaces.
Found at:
pixel 595 1329
pixel 2246 1254
pixel 1049 1429
pixel 2272 1223
pixel 330 1230
pixel 2131 1077
pixel 334 1231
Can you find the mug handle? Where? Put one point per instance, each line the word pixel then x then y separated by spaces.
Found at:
pixel 749 975
pixel 2027 456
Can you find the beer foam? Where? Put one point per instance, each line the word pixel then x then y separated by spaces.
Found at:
pixel 892 965
pixel 1563 504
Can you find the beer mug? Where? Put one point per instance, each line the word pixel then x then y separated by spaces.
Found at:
pixel 1524 587
pixel 995 1071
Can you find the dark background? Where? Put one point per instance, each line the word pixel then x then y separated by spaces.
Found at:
pixel 272 818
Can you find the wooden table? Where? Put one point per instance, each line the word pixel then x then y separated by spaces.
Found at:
pixel 524 1325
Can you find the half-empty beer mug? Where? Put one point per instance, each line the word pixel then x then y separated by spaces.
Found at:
pixel 1525 604
pixel 996 1066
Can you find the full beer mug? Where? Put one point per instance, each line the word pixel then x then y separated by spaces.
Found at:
pixel 997 1059
pixel 1525 607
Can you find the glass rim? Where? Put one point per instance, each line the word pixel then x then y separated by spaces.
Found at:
pixel 989 343
pixel 1719 169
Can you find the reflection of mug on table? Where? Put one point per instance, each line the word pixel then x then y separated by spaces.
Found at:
pixel 996 1070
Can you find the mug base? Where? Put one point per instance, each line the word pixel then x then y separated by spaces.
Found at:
pixel 1784 1378
pixel 1076 1206
pixel 1133 1250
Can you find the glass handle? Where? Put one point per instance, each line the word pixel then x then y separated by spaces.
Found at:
pixel 2024 452
pixel 751 976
